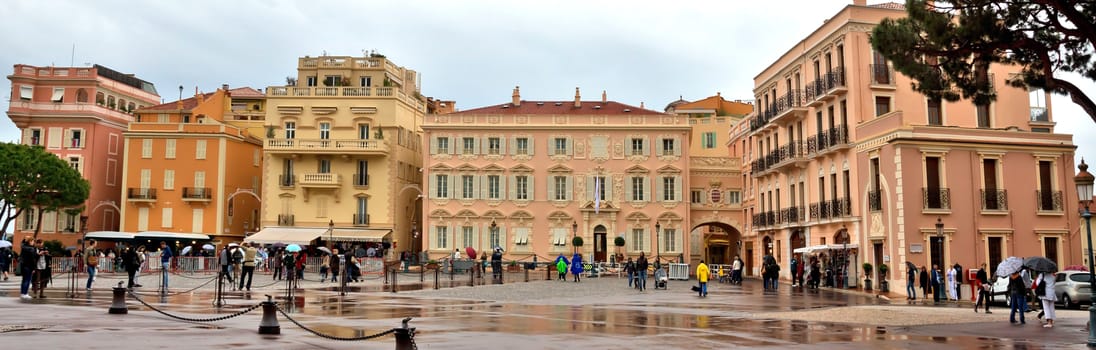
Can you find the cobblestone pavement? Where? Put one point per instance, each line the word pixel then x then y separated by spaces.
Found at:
pixel 595 313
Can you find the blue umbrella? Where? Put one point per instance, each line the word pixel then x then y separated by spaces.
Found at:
pixel 1009 266
pixel 296 248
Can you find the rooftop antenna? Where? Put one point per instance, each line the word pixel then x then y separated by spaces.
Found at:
pixel 72 59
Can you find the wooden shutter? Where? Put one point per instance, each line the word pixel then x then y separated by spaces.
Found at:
pixel 590 187
pixel 677 146
pixel 646 146
pixel 433 145
pixel 677 188
pixel 570 195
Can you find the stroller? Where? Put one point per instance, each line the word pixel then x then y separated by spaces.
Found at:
pixel 661 280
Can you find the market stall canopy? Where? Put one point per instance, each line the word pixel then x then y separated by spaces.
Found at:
pixel 823 247
pixel 359 235
pixel 286 235
pixel 173 236
pixel 110 235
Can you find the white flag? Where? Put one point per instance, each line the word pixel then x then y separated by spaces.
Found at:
pixel 597 194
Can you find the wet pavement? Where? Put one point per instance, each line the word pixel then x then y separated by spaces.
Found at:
pixel 595 314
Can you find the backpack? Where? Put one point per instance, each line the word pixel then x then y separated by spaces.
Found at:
pixel 93 259
pixel 237 256
pixel 1041 288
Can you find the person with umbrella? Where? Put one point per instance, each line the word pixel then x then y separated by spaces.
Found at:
pixel 1017 292
pixel 1044 285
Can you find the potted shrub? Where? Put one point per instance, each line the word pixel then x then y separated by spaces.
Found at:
pixel 867 276
pixel 432 264
pixel 513 266
pixel 577 241
pixel 884 286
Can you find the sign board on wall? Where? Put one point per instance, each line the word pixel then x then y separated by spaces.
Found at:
pixel 917 248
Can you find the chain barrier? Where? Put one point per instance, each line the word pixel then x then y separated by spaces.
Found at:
pixel 182 292
pixel 268 284
pixel 188 319
pixel 332 337
pixel 177 274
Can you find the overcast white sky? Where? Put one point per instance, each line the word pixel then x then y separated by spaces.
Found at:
pixel 473 52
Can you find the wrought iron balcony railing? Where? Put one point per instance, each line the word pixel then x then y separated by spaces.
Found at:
pixel 199 193
pixel 875 200
pixel 936 198
pixel 1049 200
pixel 994 199
pixel 141 193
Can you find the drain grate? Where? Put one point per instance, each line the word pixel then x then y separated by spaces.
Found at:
pixel 4 328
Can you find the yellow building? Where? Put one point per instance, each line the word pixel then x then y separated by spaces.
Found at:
pixel 342 153
pixel 192 169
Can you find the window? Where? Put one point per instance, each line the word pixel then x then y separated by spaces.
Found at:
pixel 696 196
pixel 363 131
pixel 361 214
pixel 560 146
pixel 637 147
pixel 323 166
pixel 441 237
pixel 325 131
pixel 169 149
pixel 443 145
pixel 934 199
pixel 521 189
pixel 366 81
pixel 494 238
pixel 494 146
pixel 708 140
pixel 75 163
pixel 638 236
pixel 311 81
pixel 493 187
pixel 36 137
pixel 290 130
pixel 29 219
pixel 668 188
pixel 441 186
pixel 521 146
pixel 521 236
pixel 669 240
pixel 1049 199
pixel 466 237
pixel 200 150
pixel 163 118
pixel 26 92
pixel 735 197
pixel 983 115
pixel 146 148
pixel 467 185
pixel 560 185
pixel 166 216
pixel 559 237
pixel 361 178
pixel 70 222
pixel 332 80
pixel 169 179
pixel 256 156
pixel 934 112
pixel 882 105
pixel 469 145
pixel 991 199
pixel 58 95
pixel 668 147
pixel 638 184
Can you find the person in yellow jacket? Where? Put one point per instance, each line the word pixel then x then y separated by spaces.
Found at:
pixel 702 274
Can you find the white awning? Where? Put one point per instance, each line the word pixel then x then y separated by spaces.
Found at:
pixel 358 235
pixel 287 235
pixel 811 249
pixel 394 78
pixel 109 235
pixel 58 94
pixel 26 92
pixel 162 235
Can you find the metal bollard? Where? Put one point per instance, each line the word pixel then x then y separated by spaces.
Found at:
pixel 405 337
pixel 436 278
pixel 395 273
pixel 472 277
pixel 269 323
pixel 526 275
pixel 548 273
pixel 118 305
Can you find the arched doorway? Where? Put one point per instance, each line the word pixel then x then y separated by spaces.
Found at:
pixel 722 243
pixel 840 259
pixel 797 240
pixel 600 246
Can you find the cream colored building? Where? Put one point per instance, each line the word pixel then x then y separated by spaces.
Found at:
pixel 342 153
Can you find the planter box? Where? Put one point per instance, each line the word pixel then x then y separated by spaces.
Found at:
pixel 513 268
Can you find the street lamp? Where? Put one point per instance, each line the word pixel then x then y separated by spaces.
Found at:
pixel 574 233
pixel 939 240
pixel 1084 194
pixel 658 233
pixel 331 233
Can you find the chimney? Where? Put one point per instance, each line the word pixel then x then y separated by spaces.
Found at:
pixel 860 2
pixel 578 102
pixel 641 104
pixel 604 98
pixel 224 87
pixel 517 97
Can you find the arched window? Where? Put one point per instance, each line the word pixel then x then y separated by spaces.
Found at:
pixel 110 102
pixel 81 96
pixel 131 107
pixel 100 98
pixel 841 237
pixel 122 104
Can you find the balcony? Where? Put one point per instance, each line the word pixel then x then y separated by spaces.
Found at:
pixel 765 219
pixel 197 194
pixel 285 220
pixel 360 220
pixel 833 139
pixel 320 180
pixel 792 216
pixel 762 117
pixel 875 200
pixel 882 77
pixel 789 107
pixel 1049 200
pixel 361 180
pixel 994 199
pixel 320 146
pixel 141 194
pixel 287 180
pixel 815 91
pixel 1039 114
pixel 936 198
pixel 840 207
pixel 835 83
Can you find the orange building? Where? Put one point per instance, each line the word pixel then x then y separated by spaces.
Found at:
pixel 78 114
pixel 192 168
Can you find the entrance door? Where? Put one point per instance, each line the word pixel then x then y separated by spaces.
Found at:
pixel 599 243
pixel 748 269
pixel 877 251
pixel 994 244
pixel 936 250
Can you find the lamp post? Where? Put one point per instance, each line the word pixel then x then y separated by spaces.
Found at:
pixel 939 240
pixel 658 233
pixel 331 234
pixel 574 233
pixel 1084 194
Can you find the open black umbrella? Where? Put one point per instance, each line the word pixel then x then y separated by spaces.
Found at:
pixel 1040 264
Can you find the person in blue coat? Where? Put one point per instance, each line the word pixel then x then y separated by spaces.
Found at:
pixel 576 266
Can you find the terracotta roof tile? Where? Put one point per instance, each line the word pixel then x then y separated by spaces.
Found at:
pixel 246 91
pixel 890 5
pixel 190 103
pixel 720 105
pixel 561 107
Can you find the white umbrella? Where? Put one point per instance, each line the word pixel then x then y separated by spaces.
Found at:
pixel 324 250
pixel 185 250
pixel 5 244
pixel 208 246
pixel 1009 266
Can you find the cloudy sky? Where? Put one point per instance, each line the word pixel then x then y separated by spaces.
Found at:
pixel 473 52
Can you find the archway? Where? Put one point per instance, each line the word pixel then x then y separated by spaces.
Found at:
pixel 722 243
pixel 600 246
pixel 797 240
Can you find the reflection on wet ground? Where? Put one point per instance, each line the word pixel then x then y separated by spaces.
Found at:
pixel 667 319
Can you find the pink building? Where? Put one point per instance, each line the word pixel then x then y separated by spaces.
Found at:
pixel 843 153
pixel 79 114
pixel 528 176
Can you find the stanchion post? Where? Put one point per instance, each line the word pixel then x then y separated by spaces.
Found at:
pixel 547 273
pixel 436 273
pixel 422 273
pixel 405 337
pixel 118 305
pixel 526 275
pixel 472 279
pixel 385 272
pixel 269 323
pixel 395 274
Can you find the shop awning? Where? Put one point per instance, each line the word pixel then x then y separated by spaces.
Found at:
pixel 718 242
pixel 823 247
pixel 287 235
pixel 110 235
pixel 174 236
pixel 358 235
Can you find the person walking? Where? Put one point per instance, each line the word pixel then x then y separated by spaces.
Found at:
pixel 91 260
pixel 926 285
pixel 936 282
pixel 248 269
pixel 641 269
pixel 1044 290
pixel 794 269
pixel 5 261
pixel 131 263
pixel 290 264
pixel 736 270
pixel 332 265
pixel 276 262
pixel 165 262
pixel 576 266
pixel 28 259
pixel 702 274
pixel 43 269
pixel 984 289
pixel 911 277
pixel 496 265
pixel 561 268
pixel 224 259
pixel 951 284
pixel 630 270
pixel 1017 294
